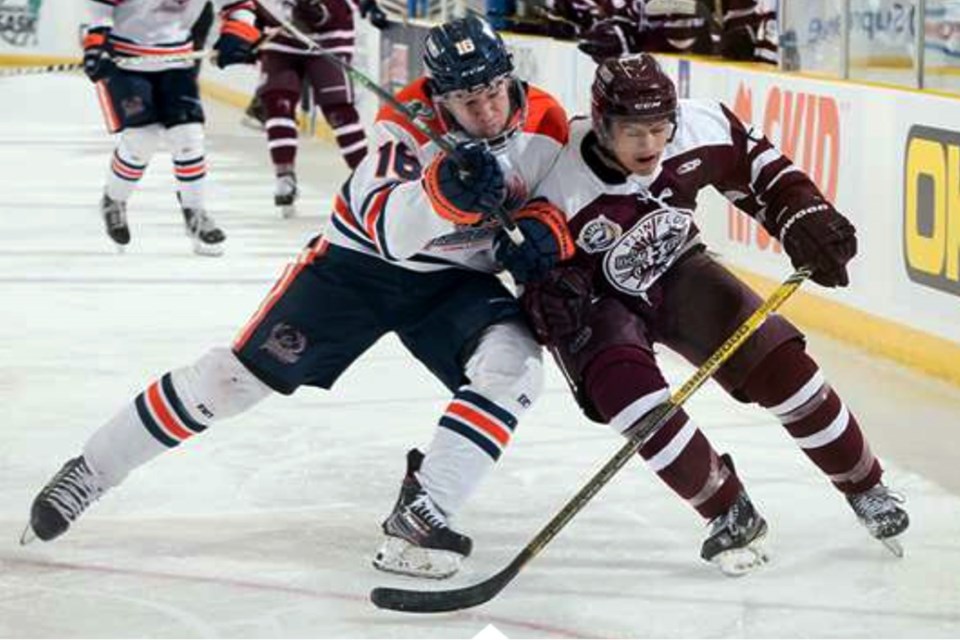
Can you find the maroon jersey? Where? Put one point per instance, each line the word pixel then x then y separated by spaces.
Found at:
pixel 630 230
pixel 329 23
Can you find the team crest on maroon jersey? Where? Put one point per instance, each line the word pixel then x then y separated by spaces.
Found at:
pixel 599 234
pixel 647 250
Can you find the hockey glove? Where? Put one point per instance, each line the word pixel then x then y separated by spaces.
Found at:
pixel 546 241
pixel 818 236
pixel 610 38
pixel 370 10
pixel 309 15
pixel 558 304
pixel 470 191
pixel 97 61
pixel 236 44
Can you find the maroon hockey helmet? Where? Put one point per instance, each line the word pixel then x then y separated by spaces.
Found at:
pixel 632 87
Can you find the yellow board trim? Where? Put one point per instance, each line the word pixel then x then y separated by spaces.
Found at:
pixel 932 355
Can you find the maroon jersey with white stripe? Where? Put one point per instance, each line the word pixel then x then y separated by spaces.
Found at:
pixel 330 26
pixel 629 230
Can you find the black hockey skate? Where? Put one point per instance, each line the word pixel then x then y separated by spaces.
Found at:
pixel 74 488
pixel 734 542
pixel 419 541
pixel 114 214
pixel 207 237
pixel 878 509
pixel 286 194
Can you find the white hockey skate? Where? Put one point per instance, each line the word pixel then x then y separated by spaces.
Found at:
pixel 419 542
pixel 878 509
pixel 286 193
pixel 208 239
pixel 74 488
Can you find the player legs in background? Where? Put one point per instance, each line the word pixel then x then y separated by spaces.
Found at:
pixel 283 77
pixel 333 93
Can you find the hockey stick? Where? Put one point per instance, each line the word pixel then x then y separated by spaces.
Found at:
pixel 446 145
pixel 453 599
pixel 122 62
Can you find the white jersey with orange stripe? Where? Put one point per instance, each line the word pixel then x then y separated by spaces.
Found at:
pixel 383 210
pixel 158 27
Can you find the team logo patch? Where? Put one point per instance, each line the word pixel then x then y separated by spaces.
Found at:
pixel 599 234
pixel 132 106
pixel 688 166
pixel 285 343
pixel 645 252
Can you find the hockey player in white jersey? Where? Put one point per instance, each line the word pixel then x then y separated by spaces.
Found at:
pixel 628 181
pixel 159 100
pixel 408 250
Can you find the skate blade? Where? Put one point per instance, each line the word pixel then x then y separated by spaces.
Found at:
pixel 740 562
pixel 288 211
pixel 399 556
pixel 209 250
pixel 893 546
pixel 27 536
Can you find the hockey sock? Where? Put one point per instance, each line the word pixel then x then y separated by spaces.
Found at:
pixel 790 385
pixel 280 107
pixel 345 122
pixel 624 384
pixel 189 164
pixel 171 410
pixel 130 159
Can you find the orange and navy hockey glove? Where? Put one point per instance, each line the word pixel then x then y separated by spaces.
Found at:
pixel 546 241
pixel 468 192
pixel 97 60
pixel 237 43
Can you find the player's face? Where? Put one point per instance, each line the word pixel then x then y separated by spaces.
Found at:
pixel 483 113
pixel 638 145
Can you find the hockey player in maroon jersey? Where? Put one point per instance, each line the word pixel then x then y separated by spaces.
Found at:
pixel 286 64
pixel 628 182
pixel 746 29
pixel 159 100
pixel 409 250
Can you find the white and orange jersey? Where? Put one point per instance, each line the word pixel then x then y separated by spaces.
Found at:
pixel 159 27
pixel 384 209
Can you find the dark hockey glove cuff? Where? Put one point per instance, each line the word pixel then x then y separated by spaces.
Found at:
pixel 546 241
pixel 819 237
pixel 370 10
pixel 97 61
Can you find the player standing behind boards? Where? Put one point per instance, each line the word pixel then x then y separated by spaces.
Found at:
pixel 286 64
pixel 409 250
pixel 159 100
pixel 628 181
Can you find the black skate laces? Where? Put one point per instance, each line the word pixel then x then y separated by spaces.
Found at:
pixel 74 491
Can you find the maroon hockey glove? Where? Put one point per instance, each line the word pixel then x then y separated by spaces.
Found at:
pixel 557 305
pixel 97 63
pixel 611 38
pixel 818 236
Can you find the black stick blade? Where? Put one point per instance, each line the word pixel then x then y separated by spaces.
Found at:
pixel 411 601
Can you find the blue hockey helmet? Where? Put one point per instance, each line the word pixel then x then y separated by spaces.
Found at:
pixel 465 54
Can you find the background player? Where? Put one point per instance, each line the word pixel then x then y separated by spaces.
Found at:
pixel 629 180
pixel 159 100
pixel 286 64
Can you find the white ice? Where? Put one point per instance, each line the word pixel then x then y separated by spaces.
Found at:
pixel 266 524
